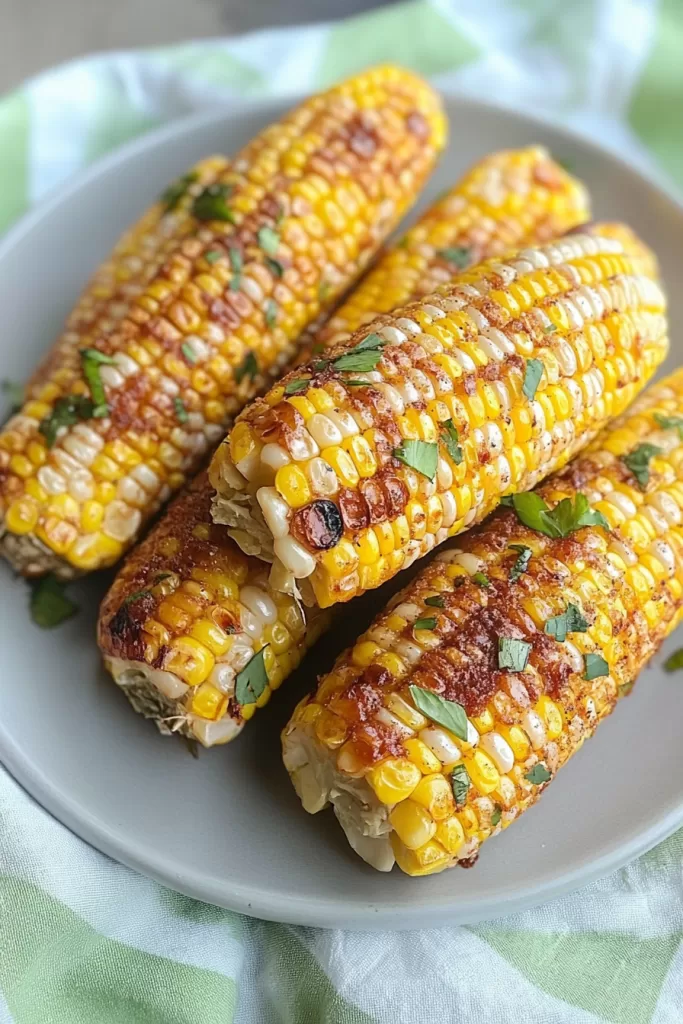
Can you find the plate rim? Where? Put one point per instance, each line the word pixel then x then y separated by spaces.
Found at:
pixel 312 911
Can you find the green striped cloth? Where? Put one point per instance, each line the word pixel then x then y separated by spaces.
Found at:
pixel 86 941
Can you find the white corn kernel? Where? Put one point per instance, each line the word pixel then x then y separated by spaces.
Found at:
pixel 259 603
pixel 294 557
pixel 275 511
pixel 121 521
pixel 534 728
pixel 395 724
pixel 499 750
pixel 274 456
pixel 323 478
pixel 51 480
pixel 440 744
pixel 323 431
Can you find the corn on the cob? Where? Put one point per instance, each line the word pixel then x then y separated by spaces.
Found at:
pixel 223 278
pixel 344 477
pixel 508 199
pixel 192 632
pixel 450 714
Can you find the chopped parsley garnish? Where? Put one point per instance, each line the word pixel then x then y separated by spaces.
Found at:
pixel 422 456
pixel 436 601
pixel 538 774
pixel 269 240
pixel 188 352
pixel 481 579
pixel 460 781
pixel 66 411
pixel 271 312
pixel 513 654
pixel 670 423
pixel 595 666
pixel 532 377
pixel 160 577
pixel 450 440
pixel 212 204
pixel 496 816
pixel 564 519
pixel 428 623
pixel 137 596
pixel 49 605
pixel 638 462
pixel 549 328
pixel 212 256
pixel 274 267
pixel 674 661
pixel 357 383
pixel 91 360
pixel 247 368
pixel 252 680
pixel 236 265
pixel 458 256
pixel 362 358
pixel 446 712
pixel 570 621
pixel 521 562
pixel 180 410
pixel 295 386
pixel 176 190
pixel 15 394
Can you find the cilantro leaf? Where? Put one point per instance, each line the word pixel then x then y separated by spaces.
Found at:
pixel 437 601
pixel 532 377
pixel 674 661
pixel 65 412
pixel 358 362
pixel 595 666
pixel 550 329
pixel 521 562
pixel 212 204
pixel 457 255
pixel 271 312
pixel 570 621
pixel 171 196
pixel 212 256
pixel 538 774
pixel 91 360
pixel 670 423
pixel 247 368
pixel 564 519
pixel 422 456
pixel 460 782
pixel 236 264
pixel 450 440
pixel 638 462
pixel 513 654
pixel 446 712
pixel 481 579
pixel 180 410
pixel 428 623
pixel 188 352
pixel 252 680
pixel 496 816
pixel 274 266
pixel 269 240
pixel 293 387
pixel 15 394
pixel 49 605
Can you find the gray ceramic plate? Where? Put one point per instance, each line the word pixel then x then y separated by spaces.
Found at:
pixel 227 828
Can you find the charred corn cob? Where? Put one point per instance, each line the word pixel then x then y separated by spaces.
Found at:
pixel 454 710
pixel 508 199
pixel 225 274
pixel 191 630
pixel 351 468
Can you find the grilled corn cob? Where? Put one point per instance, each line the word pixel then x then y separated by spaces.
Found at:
pixel 508 199
pixel 226 277
pixel 192 632
pixel 486 220
pixel 452 712
pixel 351 468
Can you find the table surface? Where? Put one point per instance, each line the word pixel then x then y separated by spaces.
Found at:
pixel 35 34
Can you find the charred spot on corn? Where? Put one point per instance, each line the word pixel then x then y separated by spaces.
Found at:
pixel 638 462
pixel 594 666
pixel 422 456
pixel 570 621
pixel 253 679
pixel 521 562
pixel 532 377
pixel 450 439
pixel 458 256
pixel 319 525
pixel 212 204
pixel 538 774
pixel 49 605
pixel 448 713
pixel 513 654
pixel 460 784
pixel 247 368
pixel 172 195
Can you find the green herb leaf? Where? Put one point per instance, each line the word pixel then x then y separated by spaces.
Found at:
pixel 623 689
pixel 446 712
pixel 496 816
pixel 428 623
pixel 212 256
pixel 450 440
pixel 252 680
pixel 538 774
pixel 638 461
pixel 49 605
pixel 481 579
pixel 460 781
pixel 188 352
pixel 269 240
pixel 513 654
pixel 532 377
pixel 670 423
pixel 14 393
pixel 357 362
pixel 180 410
pixel 422 456
pixel 91 360
pixel 570 621
pixel 212 204
pixel 247 368
pixel 522 561
pixel 550 329
pixel 370 343
pixel 596 666
pixel 160 577
pixel 357 383
pixel 295 386
pixel 674 661
pixel 458 256
pixel 507 501
pixel 176 190
pixel 274 266
pixel 564 519
pixel 137 596
pixel 66 411
pixel 436 601
pixel 236 265
pixel 271 312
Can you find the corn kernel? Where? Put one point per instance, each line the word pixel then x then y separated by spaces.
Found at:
pixel 518 740
pixel 392 663
pixel 302 405
pixel 189 659
pixel 450 834
pixel 292 484
pixel 20 465
pixel 242 441
pixel 385 537
pixel 208 701
pixel 420 754
pixel 22 515
pixel 552 715
pixel 320 399
pixel 434 793
pixel 482 772
pixel 330 729
pixel 212 636
pixel 483 722
pixel 362 455
pixel 412 823
pixel 92 516
pixel 426 861
pixel 469 820
pixel 247 711
pixel 394 779
pixel 365 653
pixel 367 548
pixel 340 560
pixel 342 464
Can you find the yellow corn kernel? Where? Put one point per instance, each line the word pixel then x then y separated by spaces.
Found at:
pixel 469 821
pixel 342 464
pixel 330 729
pixel 412 823
pixel 361 453
pixel 435 794
pixel 392 663
pixel 385 537
pixel 483 722
pixel 367 547
pixel 34 490
pixel 279 638
pixel 212 636
pixel 22 515
pixel 247 711
pixel 450 834
pixel 420 754
pixel 105 468
pixel 302 405
pixel 36 453
pixel 20 465
pixel 105 491
pixel 340 560
pixel 292 484
pixel 404 710
pixel 92 516
pixel 189 659
pixel 506 794
pixel 401 531
pixel 208 702
pixel 242 441
pixel 267 691
pixel 320 399
pixel 365 652
pixel 518 740
pixel 426 861
pixel 394 779
pixel 552 715
pixel 483 772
